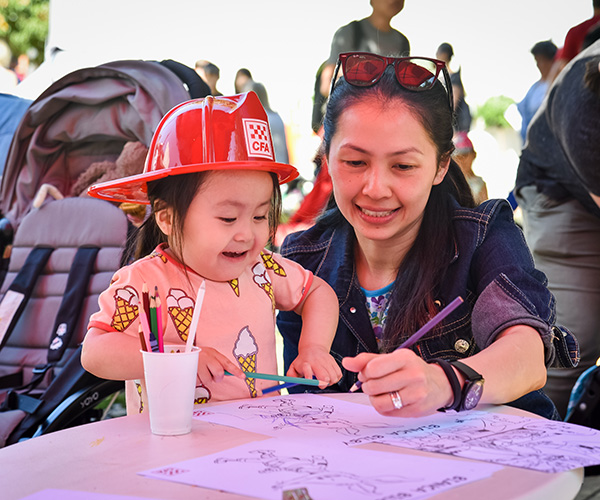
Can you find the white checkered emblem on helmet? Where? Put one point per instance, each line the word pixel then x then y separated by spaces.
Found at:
pixel 258 138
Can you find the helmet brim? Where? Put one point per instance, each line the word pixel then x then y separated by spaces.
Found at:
pixel 133 189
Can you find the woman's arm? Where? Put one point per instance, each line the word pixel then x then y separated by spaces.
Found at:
pixel 512 366
pixel 320 312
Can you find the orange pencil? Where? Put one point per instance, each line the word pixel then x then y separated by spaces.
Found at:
pixel 142 337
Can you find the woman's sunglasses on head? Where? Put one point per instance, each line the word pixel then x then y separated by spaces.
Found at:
pixel 363 69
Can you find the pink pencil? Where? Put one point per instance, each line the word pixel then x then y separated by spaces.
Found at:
pixel 159 325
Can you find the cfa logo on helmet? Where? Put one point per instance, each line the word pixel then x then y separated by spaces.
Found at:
pixel 258 138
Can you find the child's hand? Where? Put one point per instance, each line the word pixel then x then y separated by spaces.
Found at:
pixel 317 361
pixel 212 366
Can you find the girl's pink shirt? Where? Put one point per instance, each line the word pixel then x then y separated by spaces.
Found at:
pixel 237 317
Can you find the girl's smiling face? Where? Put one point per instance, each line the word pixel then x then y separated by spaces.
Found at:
pixel 383 165
pixel 227 224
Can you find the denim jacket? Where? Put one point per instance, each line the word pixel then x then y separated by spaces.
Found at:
pixel 492 270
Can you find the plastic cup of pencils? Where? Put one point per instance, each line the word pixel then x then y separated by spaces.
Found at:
pixel 170 384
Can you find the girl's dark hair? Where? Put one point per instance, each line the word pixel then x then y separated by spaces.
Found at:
pixel 177 192
pixel 424 266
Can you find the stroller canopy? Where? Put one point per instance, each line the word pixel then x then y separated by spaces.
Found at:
pixel 85 117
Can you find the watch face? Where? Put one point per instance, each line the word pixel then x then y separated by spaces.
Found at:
pixel 473 395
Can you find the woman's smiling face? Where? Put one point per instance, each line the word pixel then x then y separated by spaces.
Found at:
pixel 383 165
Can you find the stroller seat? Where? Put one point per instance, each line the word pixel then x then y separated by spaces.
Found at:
pixel 64 226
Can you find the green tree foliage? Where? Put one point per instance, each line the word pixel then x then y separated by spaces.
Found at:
pixel 24 25
pixel 492 111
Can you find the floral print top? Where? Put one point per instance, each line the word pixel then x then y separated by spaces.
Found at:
pixel 377 305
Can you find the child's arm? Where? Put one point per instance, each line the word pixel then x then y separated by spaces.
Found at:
pixel 116 356
pixel 320 312
pixel 112 355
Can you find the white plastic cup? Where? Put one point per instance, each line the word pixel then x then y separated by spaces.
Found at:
pixel 170 384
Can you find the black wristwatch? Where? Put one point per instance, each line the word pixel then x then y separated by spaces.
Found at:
pixel 454 383
pixel 473 388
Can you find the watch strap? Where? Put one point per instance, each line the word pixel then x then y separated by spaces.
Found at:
pixel 454 383
pixel 470 374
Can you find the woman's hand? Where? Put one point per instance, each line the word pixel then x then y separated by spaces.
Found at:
pixel 422 387
pixel 316 360
pixel 212 366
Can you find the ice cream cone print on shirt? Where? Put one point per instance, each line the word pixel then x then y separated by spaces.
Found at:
pixel 235 286
pixel 126 308
pixel 270 263
pixel 263 280
pixel 181 310
pixel 245 351
pixel 201 395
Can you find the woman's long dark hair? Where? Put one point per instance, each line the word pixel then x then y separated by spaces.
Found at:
pixel 423 268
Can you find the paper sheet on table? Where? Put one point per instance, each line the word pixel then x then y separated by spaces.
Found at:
pixel 54 494
pixel 267 468
pixel 300 416
pixel 531 443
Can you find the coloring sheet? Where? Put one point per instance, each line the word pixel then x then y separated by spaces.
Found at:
pixel 531 443
pixel 300 416
pixel 268 468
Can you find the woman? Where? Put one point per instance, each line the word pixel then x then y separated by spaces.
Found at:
pixel 401 239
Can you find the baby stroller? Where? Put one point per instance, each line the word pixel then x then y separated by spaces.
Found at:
pixel 66 247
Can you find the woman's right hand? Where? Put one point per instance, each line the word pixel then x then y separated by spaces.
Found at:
pixel 212 366
pixel 422 387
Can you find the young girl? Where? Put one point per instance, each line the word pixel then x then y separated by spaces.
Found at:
pixel 213 186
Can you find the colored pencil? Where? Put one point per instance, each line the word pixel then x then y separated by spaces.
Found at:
pixel 147 332
pixel 142 338
pixel 280 378
pixel 195 317
pixel 145 298
pixel 159 325
pixel 422 331
pixel 278 387
pixel 152 317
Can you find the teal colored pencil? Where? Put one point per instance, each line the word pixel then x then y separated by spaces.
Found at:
pixel 281 378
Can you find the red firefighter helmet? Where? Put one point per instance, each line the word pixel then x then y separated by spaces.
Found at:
pixel 213 133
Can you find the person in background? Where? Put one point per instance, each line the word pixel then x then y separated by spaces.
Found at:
pixel 558 187
pixel 275 122
pixel 403 238
pixel 574 41
pixel 465 155
pixel 243 80
pixel 371 34
pixel 543 53
pixel 445 52
pixel 211 220
pixel 8 78
pixel 210 73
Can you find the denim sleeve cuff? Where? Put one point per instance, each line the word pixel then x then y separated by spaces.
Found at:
pixel 502 305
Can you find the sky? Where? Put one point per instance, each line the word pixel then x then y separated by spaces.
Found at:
pixel 283 42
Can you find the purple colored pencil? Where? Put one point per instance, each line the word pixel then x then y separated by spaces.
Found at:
pixel 422 331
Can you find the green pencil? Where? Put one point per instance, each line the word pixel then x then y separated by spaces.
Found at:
pixel 281 378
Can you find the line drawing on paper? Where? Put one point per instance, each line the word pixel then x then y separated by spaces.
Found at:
pixel 314 470
pixel 540 444
pixel 286 412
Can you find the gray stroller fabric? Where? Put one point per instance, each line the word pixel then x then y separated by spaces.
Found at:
pixel 64 225
pixel 85 117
